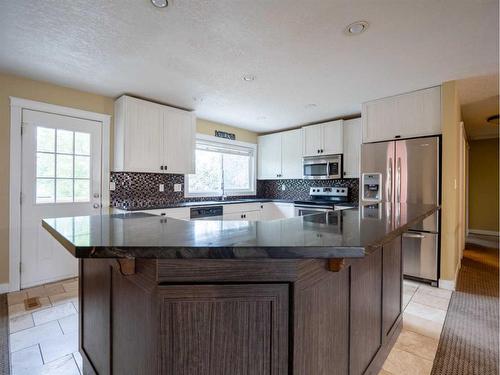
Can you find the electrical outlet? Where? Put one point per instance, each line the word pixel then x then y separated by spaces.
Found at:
pixel 112 186
pixel 283 187
pixel 162 188
pixel 177 187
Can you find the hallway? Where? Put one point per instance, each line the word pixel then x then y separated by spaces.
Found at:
pixel 469 341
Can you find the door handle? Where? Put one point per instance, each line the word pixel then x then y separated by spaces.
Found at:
pixel 398 181
pixel 413 235
pixel 389 180
pixel 96 205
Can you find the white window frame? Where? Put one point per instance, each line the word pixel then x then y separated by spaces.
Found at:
pixel 229 193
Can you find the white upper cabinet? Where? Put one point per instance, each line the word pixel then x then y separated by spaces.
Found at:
pixel 352 148
pixel 280 155
pixel 323 139
pixel 269 156
pixel 291 154
pixel 409 115
pixel 150 137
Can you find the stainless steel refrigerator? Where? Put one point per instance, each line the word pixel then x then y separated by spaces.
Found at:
pixel 407 170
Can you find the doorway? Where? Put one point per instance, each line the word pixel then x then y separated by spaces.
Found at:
pixel 61 176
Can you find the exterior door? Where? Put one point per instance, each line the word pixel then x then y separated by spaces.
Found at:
pixel 61 176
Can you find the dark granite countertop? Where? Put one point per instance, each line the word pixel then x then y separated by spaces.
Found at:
pixel 338 234
pixel 205 203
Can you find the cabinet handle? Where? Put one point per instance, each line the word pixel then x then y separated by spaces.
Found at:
pixel 165 167
pixel 318 151
pixel 161 167
pixel 321 150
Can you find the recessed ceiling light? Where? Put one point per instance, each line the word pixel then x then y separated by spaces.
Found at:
pixel 248 77
pixel 356 28
pixel 160 3
pixel 311 105
pixel 493 120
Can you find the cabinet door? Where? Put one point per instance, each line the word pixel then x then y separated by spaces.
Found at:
pixel 269 156
pixel 223 329
pixel 252 215
pixel 392 284
pixel 311 138
pixel 178 141
pixel 143 136
pixel 420 113
pixel 352 148
pixel 380 120
pixel 332 138
pixel 291 154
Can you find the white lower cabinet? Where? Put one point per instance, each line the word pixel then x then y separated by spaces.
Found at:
pixel 244 211
pixel 182 213
pixel 277 210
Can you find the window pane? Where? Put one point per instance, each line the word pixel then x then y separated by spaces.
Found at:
pixel 44 190
pixel 82 167
pixel 64 166
pixel 82 143
pixel 82 190
pixel 45 139
pixel 208 175
pixel 236 172
pixel 45 165
pixel 64 141
pixel 64 190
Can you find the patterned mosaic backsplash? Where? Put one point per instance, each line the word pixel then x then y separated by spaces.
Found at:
pixel 299 189
pixel 141 190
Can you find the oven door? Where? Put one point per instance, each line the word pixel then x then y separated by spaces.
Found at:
pixel 302 210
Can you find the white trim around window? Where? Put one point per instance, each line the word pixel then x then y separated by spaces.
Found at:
pixel 16 107
pixel 227 143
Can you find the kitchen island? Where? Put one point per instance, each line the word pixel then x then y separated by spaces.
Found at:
pixel 310 295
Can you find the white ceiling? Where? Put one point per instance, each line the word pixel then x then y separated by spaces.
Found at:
pixel 296 49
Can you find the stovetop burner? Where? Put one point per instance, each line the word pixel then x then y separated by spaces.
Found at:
pixel 325 196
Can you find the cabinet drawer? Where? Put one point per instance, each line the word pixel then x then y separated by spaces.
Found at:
pixel 234 208
pixel 176 213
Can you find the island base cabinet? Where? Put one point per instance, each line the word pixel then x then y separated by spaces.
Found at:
pixel 240 317
pixel 224 329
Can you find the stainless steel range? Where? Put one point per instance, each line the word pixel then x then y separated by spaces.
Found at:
pixel 323 199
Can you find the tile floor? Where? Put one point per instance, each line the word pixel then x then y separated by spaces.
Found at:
pixel 423 318
pixel 45 340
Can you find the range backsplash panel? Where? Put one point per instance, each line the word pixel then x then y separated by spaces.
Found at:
pixel 141 190
pixel 299 189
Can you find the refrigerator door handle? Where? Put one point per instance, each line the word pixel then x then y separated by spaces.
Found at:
pixel 389 181
pixel 413 235
pixel 398 181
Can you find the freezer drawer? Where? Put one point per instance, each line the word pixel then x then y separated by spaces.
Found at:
pixel 420 255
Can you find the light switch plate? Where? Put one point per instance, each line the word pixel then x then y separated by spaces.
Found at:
pixel 112 186
pixel 162 187
pixel 177 187
pixel 283 187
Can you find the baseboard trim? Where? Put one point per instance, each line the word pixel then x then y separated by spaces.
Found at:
pixel 447 284
pixel 485 232
pixel 4 288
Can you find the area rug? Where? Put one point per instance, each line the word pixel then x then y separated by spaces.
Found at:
pixel 470 337
pixel 4 336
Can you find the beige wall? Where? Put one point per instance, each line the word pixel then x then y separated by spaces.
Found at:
pixel 45 92
pixel 451 222
pixel 209 127
pixel 483 185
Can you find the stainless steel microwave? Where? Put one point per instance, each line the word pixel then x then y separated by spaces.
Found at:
pixel 322 167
